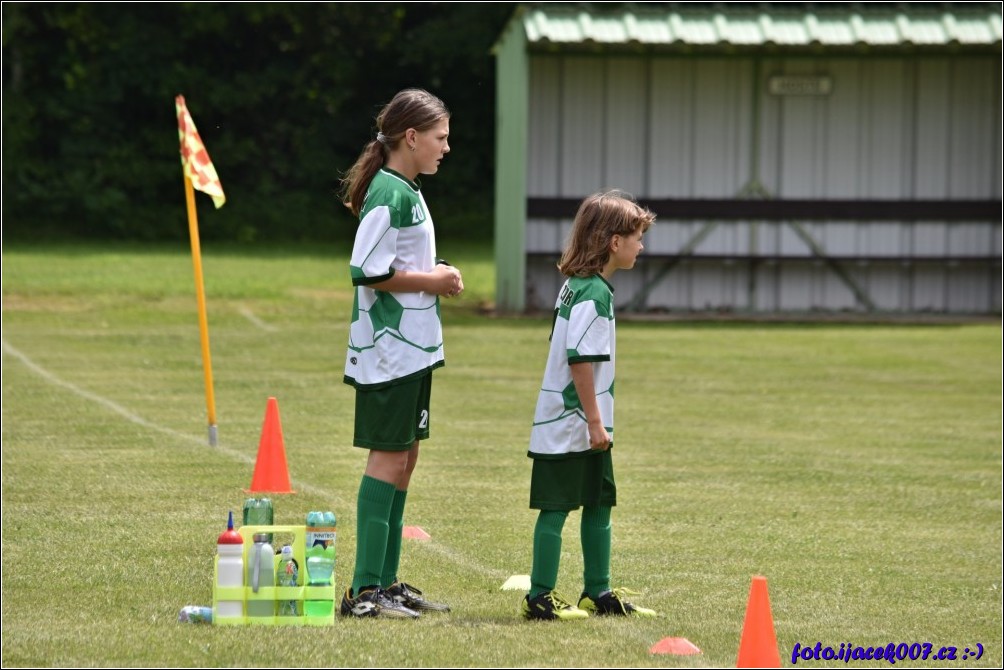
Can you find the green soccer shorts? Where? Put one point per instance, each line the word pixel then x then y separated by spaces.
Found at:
pixel 394 417
pixel 565 484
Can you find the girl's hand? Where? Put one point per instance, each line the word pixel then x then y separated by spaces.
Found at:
pixel 448 281
pixel 599 438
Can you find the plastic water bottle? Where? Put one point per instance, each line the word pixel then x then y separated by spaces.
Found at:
pixel 195 614
pixel 286 574
pixel 261 572
pixel 321 533
pixel 258 512
pixel 230 568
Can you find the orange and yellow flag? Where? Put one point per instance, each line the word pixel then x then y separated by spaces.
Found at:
pixel 194 157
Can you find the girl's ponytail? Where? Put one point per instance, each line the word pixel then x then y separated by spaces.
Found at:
pixel 358 178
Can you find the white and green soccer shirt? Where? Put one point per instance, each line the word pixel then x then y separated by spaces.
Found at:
pixel 583 332
pixel 393 337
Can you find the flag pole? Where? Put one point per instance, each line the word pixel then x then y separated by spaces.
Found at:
pixel 195 164
pixel 207 365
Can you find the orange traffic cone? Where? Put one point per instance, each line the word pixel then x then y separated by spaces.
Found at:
pixel 270 472
pixel 758 645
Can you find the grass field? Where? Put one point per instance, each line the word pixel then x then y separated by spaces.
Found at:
pixel 857 467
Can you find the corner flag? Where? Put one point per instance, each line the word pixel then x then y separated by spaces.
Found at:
pixel 194 157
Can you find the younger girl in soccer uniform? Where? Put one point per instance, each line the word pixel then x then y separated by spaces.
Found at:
pixel 573 424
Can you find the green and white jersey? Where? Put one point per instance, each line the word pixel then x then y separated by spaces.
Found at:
pixel 393 337
pixel 583 332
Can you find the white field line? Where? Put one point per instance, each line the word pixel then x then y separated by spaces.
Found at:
pixel 250 316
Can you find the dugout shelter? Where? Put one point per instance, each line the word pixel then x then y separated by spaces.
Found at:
pixel 801 157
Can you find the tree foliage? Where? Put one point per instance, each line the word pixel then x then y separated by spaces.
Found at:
pixel 284 97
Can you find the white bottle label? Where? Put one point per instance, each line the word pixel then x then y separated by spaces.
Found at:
pixel 325 537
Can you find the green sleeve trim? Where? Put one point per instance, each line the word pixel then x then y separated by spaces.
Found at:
pixel 587 359
pixel 366 281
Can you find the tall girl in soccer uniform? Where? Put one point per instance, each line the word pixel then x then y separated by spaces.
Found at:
pixel 395 338
pixel 573 424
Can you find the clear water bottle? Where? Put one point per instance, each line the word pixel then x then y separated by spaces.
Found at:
pixel 195 614
pixel 287 574
pixel 258 512
pixel 321 533
pixel 261 572
pixel 230 568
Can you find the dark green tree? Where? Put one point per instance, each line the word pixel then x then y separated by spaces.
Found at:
pixel 283 95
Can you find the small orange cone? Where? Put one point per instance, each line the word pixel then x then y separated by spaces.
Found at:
pixel 270 472
pixel 678 646
pixel 415 533
pixel 758 645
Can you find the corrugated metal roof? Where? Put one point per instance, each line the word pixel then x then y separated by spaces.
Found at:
pixel 944 24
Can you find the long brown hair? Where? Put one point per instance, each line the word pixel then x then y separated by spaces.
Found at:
pixel 410 108
pixel 600 217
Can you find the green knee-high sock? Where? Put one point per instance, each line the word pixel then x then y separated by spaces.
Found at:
pixel 546 551
pixel 395 528
pixel 595 532
pixel 372 512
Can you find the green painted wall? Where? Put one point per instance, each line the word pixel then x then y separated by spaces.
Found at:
pixel 512 104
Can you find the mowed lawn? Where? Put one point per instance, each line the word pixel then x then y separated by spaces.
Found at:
pixel 856 466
